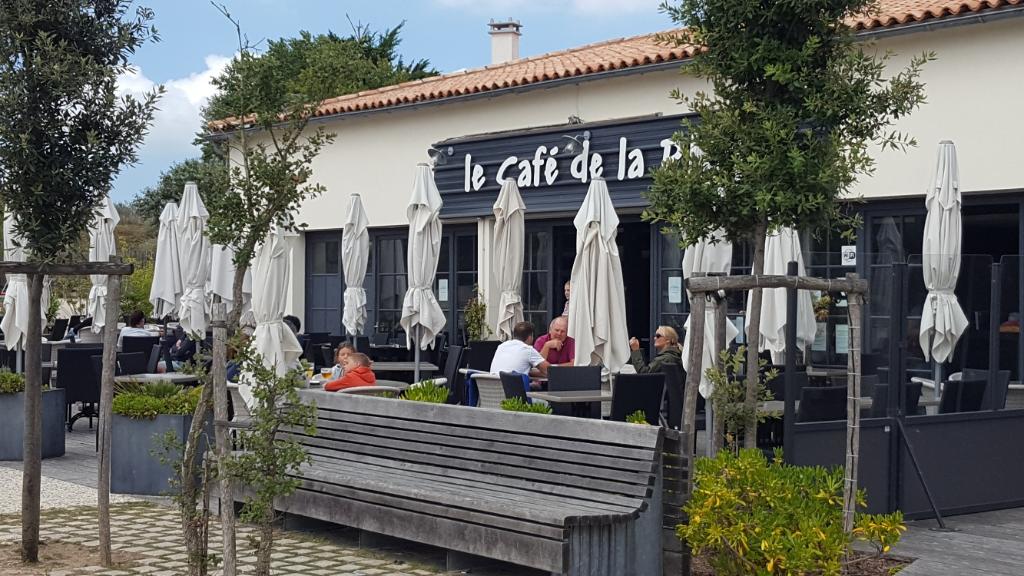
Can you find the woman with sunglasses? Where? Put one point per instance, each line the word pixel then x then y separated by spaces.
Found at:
pixel 666 344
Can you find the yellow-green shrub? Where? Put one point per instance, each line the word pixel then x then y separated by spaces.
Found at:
pixel 751 517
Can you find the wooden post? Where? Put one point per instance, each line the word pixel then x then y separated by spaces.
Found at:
pixel 112 312
pixel 855 300
pixel 218 378
pixel 692 388
pixel 716 436
pixel 32 449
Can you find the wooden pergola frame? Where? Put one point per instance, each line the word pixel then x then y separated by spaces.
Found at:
pixel 702 286
pixel 32 457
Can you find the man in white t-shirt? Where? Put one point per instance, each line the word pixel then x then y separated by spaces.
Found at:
pixel 518 354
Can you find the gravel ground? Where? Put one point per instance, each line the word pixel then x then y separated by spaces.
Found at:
pixel 54 494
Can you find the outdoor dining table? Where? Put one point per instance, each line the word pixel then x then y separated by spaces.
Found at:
pixel 578 399
pixel 173 377
pixel 403 367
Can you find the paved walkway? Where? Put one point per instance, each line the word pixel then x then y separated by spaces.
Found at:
pixel 986 544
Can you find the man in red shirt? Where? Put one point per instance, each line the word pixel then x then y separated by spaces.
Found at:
pixel 556 346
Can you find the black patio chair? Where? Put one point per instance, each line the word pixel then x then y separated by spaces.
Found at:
pixel 880 398
pixel 327 355
pixel 361 344
pixel 675 385
pixel 76 376
pixel 144 344
pixel 152 365
pixel 565 378
pixel 132 362
pixel 480 354
pixel 456 389
pixel 514 386
pixel 962 396
pixel 638 392
pixel 822 404
pixel 59 329
pixel 996 391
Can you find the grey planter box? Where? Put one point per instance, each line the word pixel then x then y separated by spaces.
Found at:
pixel 12 424
pixel 136 449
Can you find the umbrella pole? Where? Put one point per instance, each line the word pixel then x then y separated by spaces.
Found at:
pixel 19 359
pixel 416 369
pixel 936 376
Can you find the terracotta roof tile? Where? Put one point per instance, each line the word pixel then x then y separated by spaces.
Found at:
pixel 609 55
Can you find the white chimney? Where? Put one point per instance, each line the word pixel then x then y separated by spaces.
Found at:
pixel 505 40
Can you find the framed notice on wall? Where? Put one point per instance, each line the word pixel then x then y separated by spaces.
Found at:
pixel 675 289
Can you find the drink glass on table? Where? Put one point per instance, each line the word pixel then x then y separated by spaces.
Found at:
pixel 325 373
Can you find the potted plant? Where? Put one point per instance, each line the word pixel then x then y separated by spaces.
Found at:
pixel 12 415
pixel 476 317
pixel 151 421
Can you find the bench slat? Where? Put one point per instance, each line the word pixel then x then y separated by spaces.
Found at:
pixel 507 546
pixel 599 431
pixel 425 438
pixel 545 503
pixel 457 457
pixel 521 437
pixel 490 468
pixel 489 480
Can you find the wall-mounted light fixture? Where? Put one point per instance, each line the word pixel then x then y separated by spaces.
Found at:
pixel 440 156
pixel 573 144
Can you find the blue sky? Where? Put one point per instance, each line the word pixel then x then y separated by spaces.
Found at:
pixel 196 42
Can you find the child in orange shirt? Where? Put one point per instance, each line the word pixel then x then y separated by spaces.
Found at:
pixel 357 373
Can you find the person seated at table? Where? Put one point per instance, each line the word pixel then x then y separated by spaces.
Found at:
pixel 666 344
pixel 568 291
pixel 134 328
pixel 234 367
pixel 357 373
pixel 344 350
pixel 519 355
pixel 294 323
pixel 556 346
pixel 183 349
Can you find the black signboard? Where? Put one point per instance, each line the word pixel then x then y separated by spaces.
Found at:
pixel 554 166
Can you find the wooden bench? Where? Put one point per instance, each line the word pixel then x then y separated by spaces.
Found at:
pixel 565 495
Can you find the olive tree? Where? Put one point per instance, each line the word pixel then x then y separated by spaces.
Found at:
pixel 797 103
pixel 65 132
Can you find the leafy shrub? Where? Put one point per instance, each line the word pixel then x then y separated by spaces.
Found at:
pixel 149 400
pixel 751 517
pixel 135 288
pixel 427 391
pixel 730 391
pixel 518 405
pixel 11 383
pixel 638 417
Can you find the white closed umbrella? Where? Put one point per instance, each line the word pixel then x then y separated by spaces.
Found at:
pixel 222 278
pixel 194 259
pixel 422 317
pixel 167 287
pixel 710 256
pixel 780 248
pixel 355 252
pixel 15 321
pixel 597 309
pixel 509 236
pixel 101 248
pixel 942 319
pixel 273 340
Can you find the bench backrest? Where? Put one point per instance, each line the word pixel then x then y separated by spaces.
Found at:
pixel 549 453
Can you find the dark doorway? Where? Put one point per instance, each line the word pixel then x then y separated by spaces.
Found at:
pixel 634 242
pixel 323 282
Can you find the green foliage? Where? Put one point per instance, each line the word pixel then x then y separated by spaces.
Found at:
pixel 135 288
pixel 267 465
pixel 476 317
pixel 518 405
pixel 755 518
pixel 209 172
pixel 637 417
pixel 730 391
pixel 148 400
pixel 11 383
pixel 797 102
pixel 65 131
pixel 311 68
pixel 428 391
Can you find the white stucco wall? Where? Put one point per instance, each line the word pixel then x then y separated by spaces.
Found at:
pixel 972 90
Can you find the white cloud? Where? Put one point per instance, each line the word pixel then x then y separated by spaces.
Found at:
pixel 594 8
pixel 174 125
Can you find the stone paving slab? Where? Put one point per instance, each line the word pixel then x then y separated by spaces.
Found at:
pixel 150 536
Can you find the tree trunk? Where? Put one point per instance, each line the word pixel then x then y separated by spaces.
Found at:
pixel 192 521
pixel 33 443
pixel 717 433
pixel 753 340
pixel 266 543
pixel 220 418
pixel 237 305
pixel 852 413
pixel 111 314
pixel 692 388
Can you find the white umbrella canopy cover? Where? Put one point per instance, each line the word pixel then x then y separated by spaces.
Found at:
pixel 101 248
pixel 222 277
pixel 710 255
pixel 942 319
pixel 167 286
pixel 194 259
pixel 509 238
pixel 355 252
pixel 597 309
pixel 421 314
pixel 780 248
pixel 15 321
pixel 273 339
